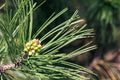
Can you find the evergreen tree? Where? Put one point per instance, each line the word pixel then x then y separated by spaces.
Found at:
pixel 23 57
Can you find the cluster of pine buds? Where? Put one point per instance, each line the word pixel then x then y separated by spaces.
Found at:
pixel 32 47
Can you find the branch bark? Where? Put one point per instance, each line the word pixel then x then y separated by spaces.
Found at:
pixel 18 62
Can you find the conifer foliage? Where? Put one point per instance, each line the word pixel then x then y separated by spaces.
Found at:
pixel 23 57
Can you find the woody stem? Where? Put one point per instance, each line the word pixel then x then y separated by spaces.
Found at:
pixel 3 67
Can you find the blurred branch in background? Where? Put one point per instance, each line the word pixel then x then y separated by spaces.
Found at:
pixel 103 15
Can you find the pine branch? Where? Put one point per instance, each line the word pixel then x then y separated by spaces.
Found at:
pixel 41 59
pixel 18 62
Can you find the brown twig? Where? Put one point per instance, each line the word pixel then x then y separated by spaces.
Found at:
pixel 3 67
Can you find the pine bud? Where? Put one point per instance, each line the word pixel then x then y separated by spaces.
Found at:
pixel 37 41
pixel 27 45
pixel 30 53
pixel 39 46
pixel 33 47
pixel 34 44
pixel 25 50
pixel 33 51
pixel 28 48
pixel 36 48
